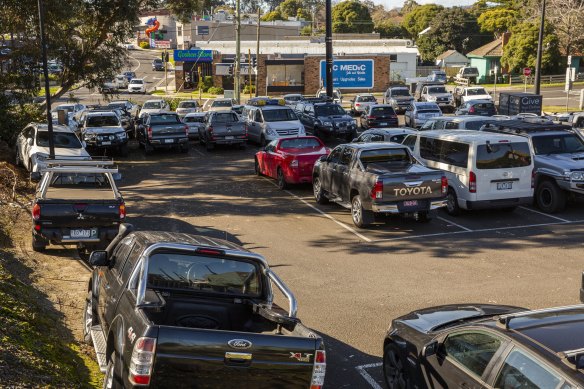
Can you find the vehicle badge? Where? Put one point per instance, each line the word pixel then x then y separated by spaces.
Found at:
pixel 80 217
pixel 239 343
pixel 300 357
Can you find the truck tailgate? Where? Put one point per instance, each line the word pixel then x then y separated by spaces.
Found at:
pixel 81 213
pixel 412 186
pixel 185 356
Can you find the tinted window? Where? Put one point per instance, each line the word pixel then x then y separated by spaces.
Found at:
pixel 121 254
pixel 382 111
pixel 400 92
pixel 66 140
pixel 397 138
pixel 367 99
pixel 475 124
pixel 80 180
pixel 279 115
pixel 377 138
pixel 475 92
pixel 300 143
pixel 473 350
pixel 452 153
pixel 194 119
pixel 152 105
pixel 557 144
pixel 221 103
pixel 188 104
pixel 520 371
pixel 336 155
pixel 388 157
pixel 437 89
pixel 503 155
pixel 347 156
pixel 410 141
pixel 164 119
pixel 452 125
pixel 102 121
pixel 225 118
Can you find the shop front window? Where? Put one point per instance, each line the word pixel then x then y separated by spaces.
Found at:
pixel 285 75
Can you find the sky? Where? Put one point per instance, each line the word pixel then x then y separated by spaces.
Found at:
pixel 390 4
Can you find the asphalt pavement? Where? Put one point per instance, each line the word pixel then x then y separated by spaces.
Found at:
pixel 351 282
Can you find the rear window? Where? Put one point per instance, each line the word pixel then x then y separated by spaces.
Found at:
pixel 300 143
pixel 385 157
pixel 187 104
pixel 367 99
pixel 65 140
pixel 221 103
pixel 503 155
pixel 102 121
pixel 164 119
pixel 427 110
pixel 204 274
pixel 227 117
pixel 476 124
pixel 194 119
pixel 449 152
pixel 383 111
pixel 80 180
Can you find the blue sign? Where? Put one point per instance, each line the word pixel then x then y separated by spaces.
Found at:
pixel 193 55
pixel 349 73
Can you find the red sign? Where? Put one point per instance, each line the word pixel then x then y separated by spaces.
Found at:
pixel 527 72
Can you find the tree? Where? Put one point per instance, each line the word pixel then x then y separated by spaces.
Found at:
pixel 351 16
pixel 274 15
pixel 408 6
pixel 498 20
pixel 567 18
pixel 387 29
pixel 452 29
pixel 294 8
pixel 185 9
pixel 420 18
pixel 521 50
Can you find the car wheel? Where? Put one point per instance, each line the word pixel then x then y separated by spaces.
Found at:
pixel 263 142
pixel 549 197
pixel 123 150
pixel 38 244
pixel 452 206
pixel 394 370
pixel 257 169
pixel 184 148
pixel 148 149
pixel 113 378
pixel 88 318
pixel 423 217
pixel 281 179
pixel 361 217
pixel 319 194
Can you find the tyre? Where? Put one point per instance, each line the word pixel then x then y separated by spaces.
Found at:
pixel 113 379
pixel 423 217
pixel 319 194
pixel 281 180
pixel 263 142
pixel 452 206
pixel 257 169
pixel 361 217
pixel 549 197
pixel 123 150
pixel 184 148
pixel 394 370
pixel 209 146
pixel 88 318
pixel 38 244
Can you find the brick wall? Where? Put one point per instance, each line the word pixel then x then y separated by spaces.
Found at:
pixel 261 76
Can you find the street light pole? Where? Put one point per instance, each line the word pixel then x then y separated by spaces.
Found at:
pixel 329 49
pixel 539 50
pixel 46 74
pixel 237 50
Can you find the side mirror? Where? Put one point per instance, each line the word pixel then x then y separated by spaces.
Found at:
pixel 98 258
pixel 35 176
pixel 117 176
pixel 430 349
pixel 323 158
pixel 30 141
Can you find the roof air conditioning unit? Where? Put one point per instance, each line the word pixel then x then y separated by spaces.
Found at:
pixel 409 43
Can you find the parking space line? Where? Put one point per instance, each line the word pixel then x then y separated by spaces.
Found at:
pixel 199 152
pixel 366 376
pixel 346 227
pixel 453 223
pixel 545 214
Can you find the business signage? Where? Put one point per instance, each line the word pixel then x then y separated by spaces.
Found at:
pixel 202 30
pixel 162 44
pixel 193 55
pixel 349 73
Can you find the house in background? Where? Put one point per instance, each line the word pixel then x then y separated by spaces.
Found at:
pixel 487 57
pixel 450 59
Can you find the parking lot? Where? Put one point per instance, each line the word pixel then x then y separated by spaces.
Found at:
pixel 351 282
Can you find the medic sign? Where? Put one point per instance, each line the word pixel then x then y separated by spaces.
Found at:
pixel 349 73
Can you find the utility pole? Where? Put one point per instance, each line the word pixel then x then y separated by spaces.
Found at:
pixel 46 74
pixel 165 71
pixel 236 79
pixel 258 51
pixel 329 49
pixel 539 50
pixel 249 72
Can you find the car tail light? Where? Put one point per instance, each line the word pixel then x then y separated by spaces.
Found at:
pixel 319 370
pixel 377 191
pixel 186 130
pixel 294 163
pixel 210 131
pixel 142 361
pixel 533 179
pixel 36 212
pixel 444 185
pixel 122 211
pixel 357 105
pixel 207 251
pixel 472 183
pixel 371 117
pixel 150 133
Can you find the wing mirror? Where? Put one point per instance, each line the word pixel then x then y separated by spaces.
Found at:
pixel 30 141
pixel 117 176
pixel 323 158
pixel 430 349
pixel 35 176
pixel 98 258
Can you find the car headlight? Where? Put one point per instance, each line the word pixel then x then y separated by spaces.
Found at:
pixel 89 136
pixel 121 135
pixel 577 176
pixel 301 131
pixel 271 132
pixel 431 98
pixel 327 124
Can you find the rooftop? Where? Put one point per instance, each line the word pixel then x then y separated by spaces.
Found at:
pixel 492 49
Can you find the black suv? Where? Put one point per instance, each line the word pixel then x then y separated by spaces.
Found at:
pixel 326 119
pixel 379 115
pixel 484 345
pixel 157 64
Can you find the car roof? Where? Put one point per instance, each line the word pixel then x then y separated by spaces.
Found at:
pixel 151 237
pixel 101 113
pixel 472 136
pixel 188 101
pixel 154 101
pixel 391 131
pixel 526 127
pixel 137 79
pixel 273 107
pixel 164 113
pixel 365 94
pixel 56 127
pixel 480 101
pixel 222 99
pixel 465 118
pixel 422 104
pixel 374 145
pixel 192 114
pixel 380 105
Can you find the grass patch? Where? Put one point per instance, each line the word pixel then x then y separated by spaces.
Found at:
pixel 559 108
pixel 52 90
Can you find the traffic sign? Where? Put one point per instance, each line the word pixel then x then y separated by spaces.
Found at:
pixel 527 72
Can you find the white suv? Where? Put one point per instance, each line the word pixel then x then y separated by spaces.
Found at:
pixel 269 122
pixel 137 85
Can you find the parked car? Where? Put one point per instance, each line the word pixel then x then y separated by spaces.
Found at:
pixel 154 106
pixel 157 64
pixel 130 111
pixel 290 160
pixel 103 131
pixel 162 130
pixel 398 97
pixel 360 102
pixel 74 111
pixel 187 106
pixel 137 85
pixel 558 156
pixel 195 121
pixel 130 75
pixel 468 74
pixel 377 178
pixel 485 346
pixel 77 203
pixel 220 105
pixel 222 128
pixel 337 95
pixel 439 95
pixel 466 122
pixel 32 147
pixel 417 113
pixel 378 115
pixel 292 98
pixel 484 170
pixel 171 310
pixel 268 122
pixel 396 135
pixel 477 107
pixel 438 76
pixel 326 120
pixel 464 94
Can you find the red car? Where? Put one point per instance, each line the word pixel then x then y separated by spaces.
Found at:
pixel 290 160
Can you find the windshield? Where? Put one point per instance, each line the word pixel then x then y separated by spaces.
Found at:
pixel 225 117
pixel 437 89
pixel 329 110
pixel 293 98
pixel 503 155
pixel 204 274
pixel 367 99
pixel 300 143
pixel 117 106
pixel 65 140
pixel 152 105
pixel 164 119
pixel 137 82
pixel 475 92
pixel 279 115
pixel 188 104
pixel 221 103
pixel 385 157
pixel 102 121
pixel 400 92
pixel 557 144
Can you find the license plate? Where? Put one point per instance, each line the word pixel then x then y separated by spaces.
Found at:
pixel 411 203
pixel 80 233
pixel 383 124
pixel 504 185
pixel 106 143
pixel 228 137
pixel 168 140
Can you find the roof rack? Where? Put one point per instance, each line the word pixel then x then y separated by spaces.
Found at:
pixel 523 127
pixel 571 357
pixel 504 320
pixel 262 101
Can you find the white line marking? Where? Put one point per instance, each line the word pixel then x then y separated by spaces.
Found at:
pixel 453 223
pixel 346 227
pixel 137 60
pixel 199 152
pixel 366 376
pixel 545 214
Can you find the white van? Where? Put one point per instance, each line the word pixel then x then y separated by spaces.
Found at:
pixel 484 171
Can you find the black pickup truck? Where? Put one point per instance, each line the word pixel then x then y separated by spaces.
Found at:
pixel 326 119
pixel 378 178
pixel 172 310
pixel 77 202
pixel 162 130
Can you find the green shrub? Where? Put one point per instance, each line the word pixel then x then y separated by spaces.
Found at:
pixel 206 84
pixel 215 91
pixel 172 103
pixel 246 89
pixel 144 45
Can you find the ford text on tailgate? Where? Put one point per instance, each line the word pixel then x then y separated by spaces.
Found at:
pixel 184 311
pixel 378 178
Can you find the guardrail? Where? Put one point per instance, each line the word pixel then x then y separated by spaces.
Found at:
pixel 546 79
